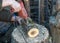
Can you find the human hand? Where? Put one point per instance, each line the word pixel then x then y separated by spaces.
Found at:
pixel 16 18
pixel 7 2
pixel 14 4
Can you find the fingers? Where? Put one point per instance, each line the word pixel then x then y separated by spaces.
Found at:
pixel 16 6
pixel 7 2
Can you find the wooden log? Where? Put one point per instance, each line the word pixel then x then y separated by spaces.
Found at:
pixel 42 10
pixel 55 34
pixel 27 6
pixel 55 28
pixel 58 5
pixel 19 36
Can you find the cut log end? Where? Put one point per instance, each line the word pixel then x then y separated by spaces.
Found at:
pixel 33 32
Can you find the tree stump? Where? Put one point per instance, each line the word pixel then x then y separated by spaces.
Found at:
pixel 19 35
